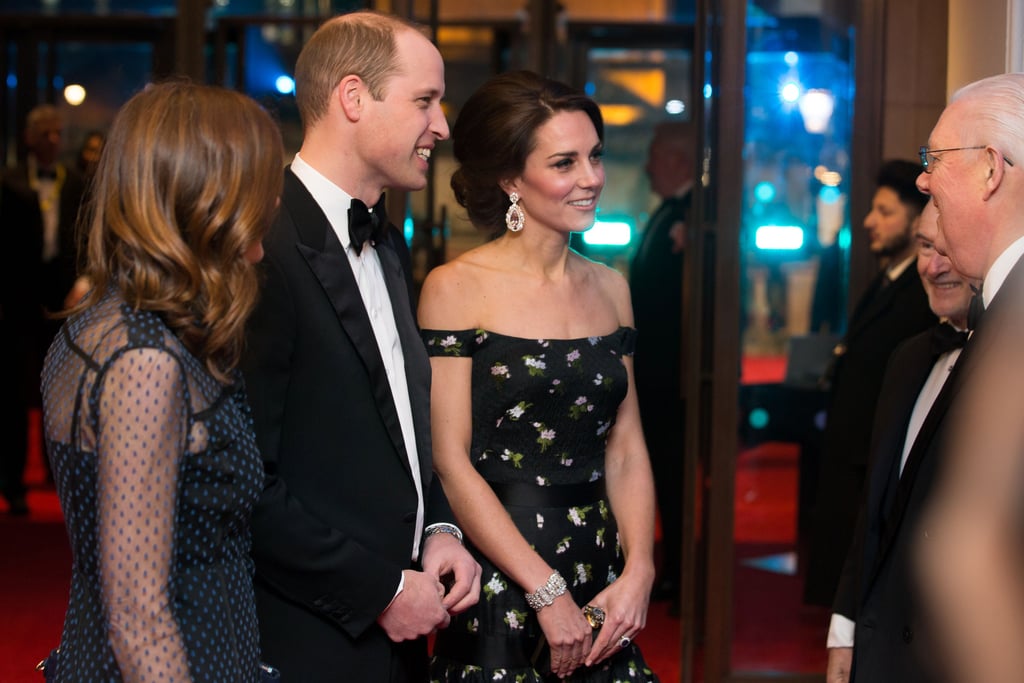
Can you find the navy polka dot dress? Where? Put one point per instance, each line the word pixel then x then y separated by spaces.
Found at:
pixel 157 471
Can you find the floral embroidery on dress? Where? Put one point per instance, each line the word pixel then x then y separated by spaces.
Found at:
pixel 535 365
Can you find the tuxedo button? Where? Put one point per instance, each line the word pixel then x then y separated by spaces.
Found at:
pixel 908 636
pixel 410 517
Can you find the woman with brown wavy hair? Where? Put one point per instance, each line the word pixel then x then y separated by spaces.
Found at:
pixel 145 419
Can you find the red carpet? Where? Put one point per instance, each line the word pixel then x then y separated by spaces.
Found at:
pixel 772 631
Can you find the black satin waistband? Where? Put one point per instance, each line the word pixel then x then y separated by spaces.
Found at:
pixel 517 494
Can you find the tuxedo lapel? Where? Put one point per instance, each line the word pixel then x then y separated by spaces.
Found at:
pixel 417 363
pixel 326 258
pixel 909 368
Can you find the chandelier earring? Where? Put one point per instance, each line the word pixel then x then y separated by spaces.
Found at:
pixel 514 217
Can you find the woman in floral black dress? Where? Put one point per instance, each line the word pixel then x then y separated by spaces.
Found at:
pixel 537 437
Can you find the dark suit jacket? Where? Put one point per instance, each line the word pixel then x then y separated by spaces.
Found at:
pixel 656 281
pixel 878 588
pixel 334 527
pixel 26 283
pixel 880 321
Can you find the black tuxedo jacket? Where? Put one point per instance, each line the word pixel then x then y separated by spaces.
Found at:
pixel 878 588
pixel 882 319
pixel 656 282
pixel 334 527
pixel 26 284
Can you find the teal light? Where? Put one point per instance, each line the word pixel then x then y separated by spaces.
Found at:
pixel 844 238
pixel 408 229
pixel 609 233
pixel 758 418
pixel 779 237
pixel 764 192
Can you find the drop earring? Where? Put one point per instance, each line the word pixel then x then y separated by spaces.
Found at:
pixel 514 217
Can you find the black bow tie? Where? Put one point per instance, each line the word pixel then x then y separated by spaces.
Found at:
pixel 364 225
pixel 945 338
pixel 976 309
pixel 46 173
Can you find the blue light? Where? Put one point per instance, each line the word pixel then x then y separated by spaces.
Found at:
pixel 707 91
pixel 779 237
pixel 12 81
pixel 589 88
pixel 829 194
pixel 609 233
pixel 764 192
pixel 790 92
pixel 285 85
pixel 791 58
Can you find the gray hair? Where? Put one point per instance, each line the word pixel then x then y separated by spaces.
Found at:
pixel 997 112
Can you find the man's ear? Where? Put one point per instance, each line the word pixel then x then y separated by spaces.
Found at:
pixel 351 94
pixel 996 168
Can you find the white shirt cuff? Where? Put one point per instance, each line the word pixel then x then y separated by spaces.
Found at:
pixel 840 631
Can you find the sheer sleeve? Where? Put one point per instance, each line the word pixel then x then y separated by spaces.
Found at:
pixel 456 344
pixel 143 423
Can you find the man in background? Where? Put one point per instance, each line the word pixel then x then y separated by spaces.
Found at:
pixel 656 283
pixel 893 308
pixel 39 201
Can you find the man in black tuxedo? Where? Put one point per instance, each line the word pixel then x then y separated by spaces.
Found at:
pixel 656 284
pixel 39 201
pixel 356 558
pixel 893 308
pixel 875 609
pixel 970 542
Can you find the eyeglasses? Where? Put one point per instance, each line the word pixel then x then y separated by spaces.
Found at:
pixel 928 155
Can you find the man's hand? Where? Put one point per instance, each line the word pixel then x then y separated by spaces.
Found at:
pixel 416 611
pixel 444 556
pixel 840 660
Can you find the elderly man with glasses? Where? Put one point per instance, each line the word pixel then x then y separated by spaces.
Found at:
pixel 970 551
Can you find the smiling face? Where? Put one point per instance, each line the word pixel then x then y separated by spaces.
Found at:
pixel 564 174
pixel 402 129
pixel 949 293
pixel 890 225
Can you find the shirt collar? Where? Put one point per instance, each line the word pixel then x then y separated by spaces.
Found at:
pixel 897 270
pixel 1002 266
pixel 333 200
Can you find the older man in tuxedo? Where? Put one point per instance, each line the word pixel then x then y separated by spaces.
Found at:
pixel 875 609
pixel 356 556
pixel 971 543
pixel 39 201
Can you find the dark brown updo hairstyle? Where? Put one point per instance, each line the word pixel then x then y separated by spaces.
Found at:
pixel 496 131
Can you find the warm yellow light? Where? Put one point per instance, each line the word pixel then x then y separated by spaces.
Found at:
pixel 74 94
pixel 620 114
pixel 647 84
